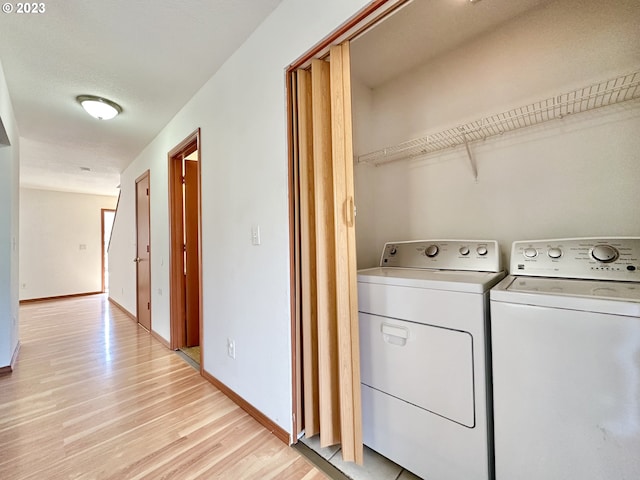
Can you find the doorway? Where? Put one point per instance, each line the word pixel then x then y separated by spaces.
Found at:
pixel 143 252
pixel 185 265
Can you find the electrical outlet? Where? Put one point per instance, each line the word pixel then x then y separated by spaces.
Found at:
pixel 231 348
pixel 24 286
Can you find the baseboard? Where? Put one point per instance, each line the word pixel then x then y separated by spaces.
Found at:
pixel 11 367
pixel 58 297
pixel 265 421
pixel 124 310
pixel 160 339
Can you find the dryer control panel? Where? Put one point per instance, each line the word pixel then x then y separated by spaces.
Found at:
pixel 467 255
pixel 614 258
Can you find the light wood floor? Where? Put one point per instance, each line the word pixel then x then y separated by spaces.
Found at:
pixel 95 397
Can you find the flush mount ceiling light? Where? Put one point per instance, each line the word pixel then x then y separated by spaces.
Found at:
pixel 99 107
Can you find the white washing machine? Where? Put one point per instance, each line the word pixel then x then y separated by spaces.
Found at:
pixel 425 372
pixel 566 361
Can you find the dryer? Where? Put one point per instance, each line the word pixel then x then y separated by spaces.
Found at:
pixel 425 371
pixel 566 361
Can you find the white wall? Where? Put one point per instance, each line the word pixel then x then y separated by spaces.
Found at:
pixel 573 177
pixel 242 113
pixel 60 242
pixel 122 251
pixel 9 236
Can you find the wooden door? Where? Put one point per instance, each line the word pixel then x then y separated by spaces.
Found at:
pixel 143 251
pixel 192 262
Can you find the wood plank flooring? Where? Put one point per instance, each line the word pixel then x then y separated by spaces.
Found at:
pixel 93 396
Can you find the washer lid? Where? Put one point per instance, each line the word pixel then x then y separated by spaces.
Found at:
pixel 578 288
pixel 618 298
pixel 452 280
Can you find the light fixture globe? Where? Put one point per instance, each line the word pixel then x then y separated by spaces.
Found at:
pixel 99 107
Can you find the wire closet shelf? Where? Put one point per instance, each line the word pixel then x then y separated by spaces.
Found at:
pixel 602 94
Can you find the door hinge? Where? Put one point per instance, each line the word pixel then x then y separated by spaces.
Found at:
pixel 147 248
pixel 148 305
pixel 184 180
pixel 147 192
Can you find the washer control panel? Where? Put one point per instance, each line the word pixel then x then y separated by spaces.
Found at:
pixel 614 258
pixel 467 255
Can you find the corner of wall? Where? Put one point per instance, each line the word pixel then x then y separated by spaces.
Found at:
pixel 9 203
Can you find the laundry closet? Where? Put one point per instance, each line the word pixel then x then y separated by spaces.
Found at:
pixel 479 121
pixel 440 67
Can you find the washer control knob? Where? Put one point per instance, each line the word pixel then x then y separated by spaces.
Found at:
pixel 393 251
pixel 464 250
pixel 530 252
pixel 431 251
pixel 554 252
pixel 604 253
pixel 482 250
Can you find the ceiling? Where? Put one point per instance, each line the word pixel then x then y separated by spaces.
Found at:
pixel 149 56
pixel 424 29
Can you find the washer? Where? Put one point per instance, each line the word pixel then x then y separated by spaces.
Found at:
pixel 566 361
pixel 424 369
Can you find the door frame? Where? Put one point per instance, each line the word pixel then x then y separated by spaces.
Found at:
pixel 176 226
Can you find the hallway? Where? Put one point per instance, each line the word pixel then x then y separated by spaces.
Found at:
pixel 93 396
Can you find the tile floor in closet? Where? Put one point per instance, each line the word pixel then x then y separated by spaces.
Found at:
pixel 375 467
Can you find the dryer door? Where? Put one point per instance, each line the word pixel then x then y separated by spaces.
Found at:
pixel 427 366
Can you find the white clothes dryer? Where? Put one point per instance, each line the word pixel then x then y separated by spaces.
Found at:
pixel 566 361
pixel 425 374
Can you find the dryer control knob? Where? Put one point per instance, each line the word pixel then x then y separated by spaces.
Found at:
pixel 393 251
pixel 604 253
pixel 554 252
pixel 482 250
pixel 464 250
pixel 431 251
pixel 530 252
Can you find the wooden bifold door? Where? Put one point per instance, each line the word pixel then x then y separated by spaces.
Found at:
pixel 325 258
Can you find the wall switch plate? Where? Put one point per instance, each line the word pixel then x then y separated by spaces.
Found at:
pixel 255 234
pixel 231 348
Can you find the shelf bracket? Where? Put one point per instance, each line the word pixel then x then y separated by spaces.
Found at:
pixel 472 161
